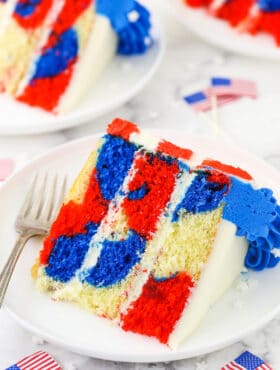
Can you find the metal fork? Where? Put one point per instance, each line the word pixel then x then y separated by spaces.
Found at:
pixel 38 211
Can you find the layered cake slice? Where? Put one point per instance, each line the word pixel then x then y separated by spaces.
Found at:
pixel 52 51
pixel 150 239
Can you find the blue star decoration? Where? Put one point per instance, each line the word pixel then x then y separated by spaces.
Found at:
pixel 131 21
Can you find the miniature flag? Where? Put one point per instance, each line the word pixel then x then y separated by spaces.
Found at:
pixel 201 101
pixel 6 168
pixel 226 86
pixel 247 361
pixel 38 361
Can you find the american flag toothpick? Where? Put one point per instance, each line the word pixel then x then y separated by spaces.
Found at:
pixel 247 361
pixel 38 361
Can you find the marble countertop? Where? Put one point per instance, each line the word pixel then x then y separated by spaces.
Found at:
pixel 254 125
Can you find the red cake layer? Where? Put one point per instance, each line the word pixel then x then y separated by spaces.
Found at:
pixel 266 22
pixel 197 3
pixel 71 11
pixel 37 94
pixel 73 217
pixel 159 307
pixel 158 177
pixel 235 11
pixel 122 128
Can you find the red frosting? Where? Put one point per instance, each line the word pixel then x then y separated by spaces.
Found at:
pixel 37 18
pixel 122 128
pixel 46 92
pixel 159 179
pixel 235 11
pixel 236 171
pixel 159 307
pixel 174 150
pixel 73 217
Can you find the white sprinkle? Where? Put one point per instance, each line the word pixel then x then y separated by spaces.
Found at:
pixel 201 365
pixel 148 41
pixel 242 287
pixel 275 252
pixel 37 340
pixel 238 304
pixel 70 366
pixel 133 16
pixel 126 66
pixel 153 115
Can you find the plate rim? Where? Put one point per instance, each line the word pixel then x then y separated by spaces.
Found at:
pixel 170 355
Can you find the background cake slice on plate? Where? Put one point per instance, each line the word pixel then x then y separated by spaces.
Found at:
pixel 51 52
pixel 150 239
pixel 253 16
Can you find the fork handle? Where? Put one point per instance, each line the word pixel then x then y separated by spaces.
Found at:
pixel 7 272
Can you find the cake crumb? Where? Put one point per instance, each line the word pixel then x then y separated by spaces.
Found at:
pixel 38 341
pixel 276 252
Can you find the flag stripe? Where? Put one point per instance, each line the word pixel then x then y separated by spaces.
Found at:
pixel 29 365
pixel 41 364
pixel 28 358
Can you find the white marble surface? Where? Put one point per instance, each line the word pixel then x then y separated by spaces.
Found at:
pixel 188 63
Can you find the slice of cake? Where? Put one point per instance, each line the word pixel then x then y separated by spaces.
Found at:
pixel 150 239
pixel 252 16
pixel 51 52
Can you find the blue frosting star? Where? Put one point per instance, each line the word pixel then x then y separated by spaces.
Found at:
pixel 131 21
pixel 257 217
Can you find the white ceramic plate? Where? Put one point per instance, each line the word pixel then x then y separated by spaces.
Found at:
pixel 82 332
pixel 221 34
pixel 122 79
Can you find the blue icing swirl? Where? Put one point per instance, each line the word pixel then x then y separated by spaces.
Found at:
pixel 134 34
pixel 201 196
pixel 68 254
pixel 58 58
pixel 116 260
pixel 26 8
pixel 114 161
pixel 257 217
pixel 269 5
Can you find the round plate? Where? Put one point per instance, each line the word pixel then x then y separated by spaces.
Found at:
pixel 66 325
pixel 222 34
pixel 122 79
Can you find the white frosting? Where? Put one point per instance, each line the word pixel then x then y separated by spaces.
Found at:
pixel 149 141
pixel 223 266
pixel 99 51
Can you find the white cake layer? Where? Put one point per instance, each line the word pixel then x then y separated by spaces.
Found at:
pixel 99 51
pixel 224 264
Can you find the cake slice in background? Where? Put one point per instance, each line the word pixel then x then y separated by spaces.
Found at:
pixel 253 16
pixel 52 52
pixel 21 33
pixel 150 239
